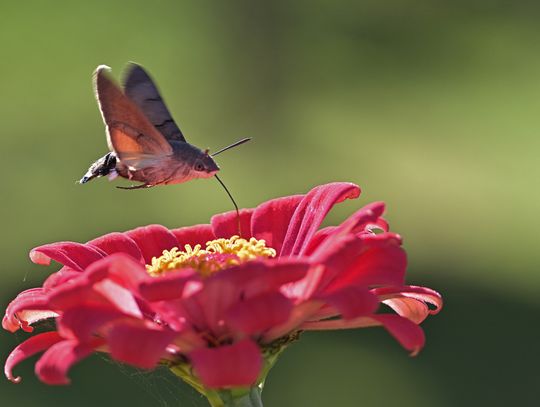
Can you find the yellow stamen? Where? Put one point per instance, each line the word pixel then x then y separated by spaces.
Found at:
pixel 219 254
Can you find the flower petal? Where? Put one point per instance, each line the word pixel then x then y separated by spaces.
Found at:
pixel 193 235
pixel 318 238
pixel 258 314
pixel 173 314
pixel 152 240
pixel 117 243
pixel 139 344
pixel 355 223
pixel 406 332
pixel 102 284
pixel 76 256
pixel 271 220
pixel 28 307
pixel 60 277
pixel 31 346
pixel 168 286
pixel 226 224
pixel 53 366
pixel 83 322
pixel 310 213
pixel 369 214
pixel 236 365
pixel 411 301
pixel 329 264
pixel 256 277
pixel 299 314
pixel 78 291
pixel 206 307
pixel 119 268
pixel 365 262
pixel 352 302
pixel 122 298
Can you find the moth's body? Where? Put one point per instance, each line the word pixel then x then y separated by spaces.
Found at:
pixel 176 168
pixel 145 143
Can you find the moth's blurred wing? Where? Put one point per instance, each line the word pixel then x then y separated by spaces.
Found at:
pixel 140 88
pixel 129 130
pixel 135 149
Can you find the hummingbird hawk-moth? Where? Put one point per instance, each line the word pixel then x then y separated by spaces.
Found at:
pixel 145 144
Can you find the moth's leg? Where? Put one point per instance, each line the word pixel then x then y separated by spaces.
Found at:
pixel 164 182
pixel 136 186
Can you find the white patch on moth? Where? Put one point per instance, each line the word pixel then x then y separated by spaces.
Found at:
pixel 112 174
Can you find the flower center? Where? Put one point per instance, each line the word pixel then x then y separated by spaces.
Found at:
pixel 218 254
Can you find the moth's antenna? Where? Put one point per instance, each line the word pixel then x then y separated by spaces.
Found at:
pixel 234 203
pixel 244 140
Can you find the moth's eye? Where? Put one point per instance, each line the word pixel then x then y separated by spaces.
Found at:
pixel 199 167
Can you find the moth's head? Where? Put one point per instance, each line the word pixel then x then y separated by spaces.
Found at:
pixel 205 166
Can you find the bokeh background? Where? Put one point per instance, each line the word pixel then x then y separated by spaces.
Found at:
pixel 431 106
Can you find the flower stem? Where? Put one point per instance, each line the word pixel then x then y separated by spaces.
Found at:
pixel 232 398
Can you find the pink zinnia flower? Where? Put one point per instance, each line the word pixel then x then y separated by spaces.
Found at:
pixel 215 307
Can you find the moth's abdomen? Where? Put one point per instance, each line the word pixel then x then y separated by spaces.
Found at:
pixel 106 165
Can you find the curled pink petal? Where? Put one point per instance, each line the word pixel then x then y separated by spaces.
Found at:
pixel 152 240
pixel 411 302
pixel 310 213
pixel 226 224
pixel 53 366
pixel 28 348
pixel 76 256
pixel 26 319
pixel 227 366
pixel 380 224
pixel 28 307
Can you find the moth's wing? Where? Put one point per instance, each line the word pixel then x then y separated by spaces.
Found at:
pixel 129 132
pixel 140 88
pixel 133 148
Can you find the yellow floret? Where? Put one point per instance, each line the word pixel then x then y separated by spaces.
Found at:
pixel 203 260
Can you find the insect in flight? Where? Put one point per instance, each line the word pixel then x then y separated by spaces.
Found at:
pixel 145 143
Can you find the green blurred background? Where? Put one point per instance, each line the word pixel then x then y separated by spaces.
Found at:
pixel 431 106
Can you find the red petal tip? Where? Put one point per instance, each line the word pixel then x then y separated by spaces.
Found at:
pixel 39 258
